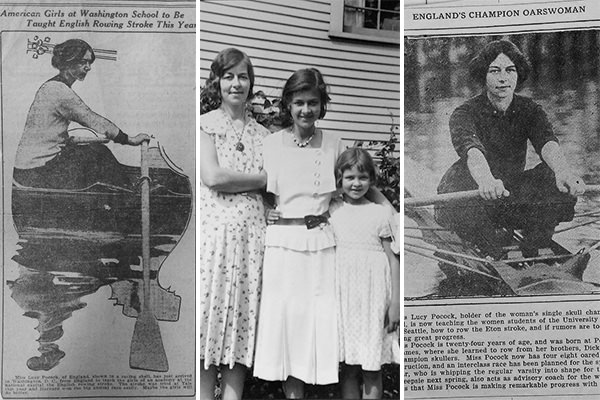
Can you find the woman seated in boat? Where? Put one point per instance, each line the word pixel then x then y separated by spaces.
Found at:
pixel 45 156
pixel 490 133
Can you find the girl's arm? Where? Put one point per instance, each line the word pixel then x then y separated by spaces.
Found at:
pixel 393 312
pixel 223 179
pixel 566 180
pixel 489 187
pixel 74 108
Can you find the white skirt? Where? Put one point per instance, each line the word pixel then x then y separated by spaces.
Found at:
pixel 297 325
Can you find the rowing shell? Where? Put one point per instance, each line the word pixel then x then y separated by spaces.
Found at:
pixel 469 272
pixel 103 212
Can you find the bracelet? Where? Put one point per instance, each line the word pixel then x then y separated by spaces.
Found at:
pixel 121 138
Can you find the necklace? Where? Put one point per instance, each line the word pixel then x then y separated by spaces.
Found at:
pixel 306 142
pixel 239 146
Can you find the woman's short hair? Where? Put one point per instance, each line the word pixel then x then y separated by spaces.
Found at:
pixel 210 95
pixel 69 53
pixel 301 81
pixel 355 157
pixel 478 67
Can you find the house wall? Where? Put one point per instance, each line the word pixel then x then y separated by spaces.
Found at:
pixel 281 37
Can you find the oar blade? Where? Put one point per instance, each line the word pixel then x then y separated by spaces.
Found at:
pixel 147 349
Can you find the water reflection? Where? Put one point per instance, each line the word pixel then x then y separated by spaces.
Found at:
pixel 51 299
pixel 54 275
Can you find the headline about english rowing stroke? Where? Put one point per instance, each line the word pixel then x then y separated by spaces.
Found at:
pixel 482 14
pixel 88 18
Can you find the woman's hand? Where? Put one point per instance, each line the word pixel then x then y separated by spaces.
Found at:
pixel 489 187
pixel 272 216
pixel 492 189
pixel 567 182
pixel 138 139
pixel 392 317
pixel 263 175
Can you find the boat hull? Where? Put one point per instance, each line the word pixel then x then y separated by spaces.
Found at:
pixel 103 210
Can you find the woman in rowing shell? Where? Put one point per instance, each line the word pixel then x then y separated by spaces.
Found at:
pixel 45 156
pixel 490 133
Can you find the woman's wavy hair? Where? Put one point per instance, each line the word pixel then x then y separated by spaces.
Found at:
pixel 69 53
pixel 210 95
pixel 478 67
pixel 355 157
pixel 301 81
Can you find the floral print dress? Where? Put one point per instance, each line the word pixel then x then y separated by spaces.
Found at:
pixel 232 228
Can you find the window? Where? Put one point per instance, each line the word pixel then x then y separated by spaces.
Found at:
pixel 375 20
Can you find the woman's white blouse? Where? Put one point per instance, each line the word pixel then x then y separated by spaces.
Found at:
pixel 302 178
pixel 303 181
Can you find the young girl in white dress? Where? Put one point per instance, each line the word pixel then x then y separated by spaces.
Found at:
pixel 367 278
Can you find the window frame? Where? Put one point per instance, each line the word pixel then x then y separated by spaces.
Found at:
pixel 336 28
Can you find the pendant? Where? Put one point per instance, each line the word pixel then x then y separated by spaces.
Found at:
pixel 240 146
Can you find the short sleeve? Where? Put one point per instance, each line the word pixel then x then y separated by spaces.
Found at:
pixel 463 131
pixel 390 226
pixel 395 230
pixel 271 161
pixel 213 124
pixel 384 229
pixel 541 131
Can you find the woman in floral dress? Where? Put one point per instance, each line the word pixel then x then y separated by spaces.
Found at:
pixel 232 225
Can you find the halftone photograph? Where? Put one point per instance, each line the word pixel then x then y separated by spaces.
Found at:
pixel 501 171
pixel 98 279
pixel 299 199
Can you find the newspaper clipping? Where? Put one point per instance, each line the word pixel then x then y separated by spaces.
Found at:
pixel 98 126
pixel 501 238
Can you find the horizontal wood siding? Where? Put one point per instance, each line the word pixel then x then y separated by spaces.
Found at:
pixel 281 37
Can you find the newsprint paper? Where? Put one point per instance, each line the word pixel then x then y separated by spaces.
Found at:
pixel 98 272
pixel 488 325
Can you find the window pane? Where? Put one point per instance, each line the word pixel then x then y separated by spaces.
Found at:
pixel 354 14
pixel 390 15
pixel 371 14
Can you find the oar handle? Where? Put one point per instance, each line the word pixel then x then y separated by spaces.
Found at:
pixel 464 195
pixel 440 198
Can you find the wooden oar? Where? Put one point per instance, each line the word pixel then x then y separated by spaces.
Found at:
pixel 465 195
pixel 147 349
pixel 88 140
pixel 568 228
pixel 485 260
pixel 432 257
pixel 450 253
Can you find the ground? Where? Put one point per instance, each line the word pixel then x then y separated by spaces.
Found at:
pixel 258 389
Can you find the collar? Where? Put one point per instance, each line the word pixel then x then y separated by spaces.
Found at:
pixel 247 117
pixel 59 78
pixel 486 106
